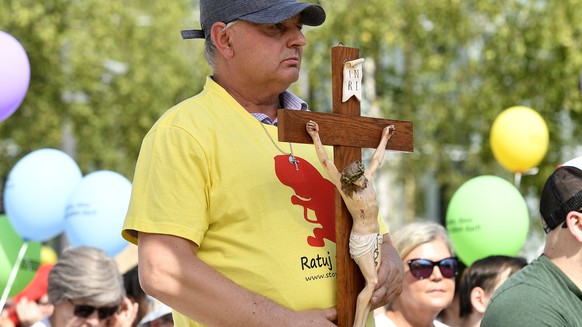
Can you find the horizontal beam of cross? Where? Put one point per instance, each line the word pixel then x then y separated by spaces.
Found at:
pixel 337 129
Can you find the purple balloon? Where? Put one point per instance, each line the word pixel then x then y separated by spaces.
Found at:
pixel 14 74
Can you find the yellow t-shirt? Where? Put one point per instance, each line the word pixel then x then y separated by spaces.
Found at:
pixel 208 172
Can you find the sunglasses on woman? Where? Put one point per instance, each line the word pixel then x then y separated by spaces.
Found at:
pixel 422 268
pixel 84 311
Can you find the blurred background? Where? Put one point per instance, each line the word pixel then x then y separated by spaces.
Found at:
pixel 102 72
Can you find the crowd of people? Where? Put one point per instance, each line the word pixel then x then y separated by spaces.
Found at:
pixel 83 288
pixel 228 241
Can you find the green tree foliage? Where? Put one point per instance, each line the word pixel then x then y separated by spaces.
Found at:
pixel 101 73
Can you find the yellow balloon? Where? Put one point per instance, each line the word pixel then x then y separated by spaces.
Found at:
pixel 519 138
pixel 48 255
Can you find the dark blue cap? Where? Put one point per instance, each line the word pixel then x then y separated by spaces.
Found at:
pixel 255 11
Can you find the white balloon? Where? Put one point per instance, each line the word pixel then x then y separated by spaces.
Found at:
pixel 96 211
pixel 576 162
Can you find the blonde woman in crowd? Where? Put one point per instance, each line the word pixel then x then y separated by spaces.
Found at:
pixel 430 269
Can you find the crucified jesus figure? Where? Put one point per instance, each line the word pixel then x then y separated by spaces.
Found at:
pixel 357 191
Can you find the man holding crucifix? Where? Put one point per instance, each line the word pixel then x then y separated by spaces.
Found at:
pixel 235 227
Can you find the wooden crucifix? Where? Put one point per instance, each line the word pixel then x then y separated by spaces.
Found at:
pixel 348 132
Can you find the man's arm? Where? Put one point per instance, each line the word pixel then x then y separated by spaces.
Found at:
pixel 378 155
pixel 170 271
pixel 390 275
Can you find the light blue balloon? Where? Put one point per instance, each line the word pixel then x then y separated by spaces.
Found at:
pixel 96 211
pixel 37 191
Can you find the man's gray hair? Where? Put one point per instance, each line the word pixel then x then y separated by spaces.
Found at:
pixel 87 275
pixel 210 52
pixel 210 47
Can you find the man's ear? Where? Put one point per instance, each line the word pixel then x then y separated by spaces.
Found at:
pixel 479 299
pixel 574 222
pixel 221 39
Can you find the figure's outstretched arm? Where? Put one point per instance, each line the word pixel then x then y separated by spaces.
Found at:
pixel 313 131
pixel 378 155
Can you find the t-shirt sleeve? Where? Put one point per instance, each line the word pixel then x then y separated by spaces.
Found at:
pixel 170 187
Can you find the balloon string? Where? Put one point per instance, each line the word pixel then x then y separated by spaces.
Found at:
pixel 13 273
pixel 517 180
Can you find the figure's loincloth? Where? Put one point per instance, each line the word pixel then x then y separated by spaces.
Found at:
pixel 362 244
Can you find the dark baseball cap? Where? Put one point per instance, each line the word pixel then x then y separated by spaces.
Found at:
pixel 255 11
pixel 562 194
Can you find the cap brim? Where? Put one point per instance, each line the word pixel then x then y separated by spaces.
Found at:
pixel 311 14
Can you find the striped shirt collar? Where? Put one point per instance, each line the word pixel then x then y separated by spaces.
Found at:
pixel 288 101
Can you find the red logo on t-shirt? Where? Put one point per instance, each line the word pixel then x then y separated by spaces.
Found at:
pixel 313 192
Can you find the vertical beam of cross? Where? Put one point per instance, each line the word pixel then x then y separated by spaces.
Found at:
pixel 348 133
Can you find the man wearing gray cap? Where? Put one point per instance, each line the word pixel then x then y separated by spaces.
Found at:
pixel 236 228
pixel 548 292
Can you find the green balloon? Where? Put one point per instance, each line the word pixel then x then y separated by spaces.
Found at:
pixel 10 245
pixel 487 216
